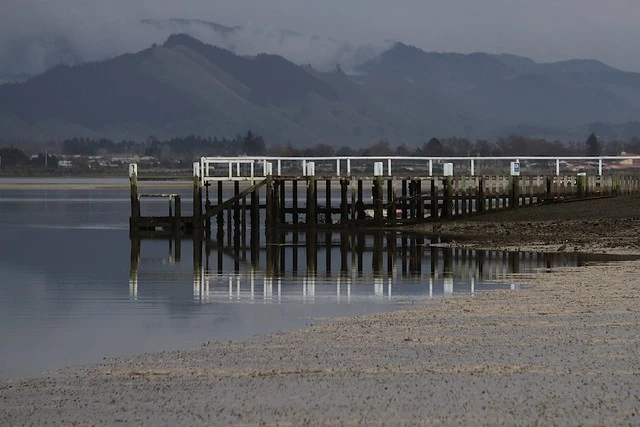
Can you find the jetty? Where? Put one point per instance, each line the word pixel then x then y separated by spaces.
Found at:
pixel 243 196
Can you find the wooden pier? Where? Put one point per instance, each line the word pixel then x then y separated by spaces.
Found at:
pixel 229 196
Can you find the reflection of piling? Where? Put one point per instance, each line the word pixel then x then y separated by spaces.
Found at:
pixel 377 259
pixel 312 253
pixel 134 263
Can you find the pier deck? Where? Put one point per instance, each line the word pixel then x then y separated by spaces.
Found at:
pixel 340 192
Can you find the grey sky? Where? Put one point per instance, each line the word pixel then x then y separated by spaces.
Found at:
pixel 546 30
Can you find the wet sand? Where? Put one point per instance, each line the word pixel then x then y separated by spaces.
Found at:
pixel 562 351
pixel 607 225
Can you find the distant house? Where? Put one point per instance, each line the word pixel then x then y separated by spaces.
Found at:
pixel 628 162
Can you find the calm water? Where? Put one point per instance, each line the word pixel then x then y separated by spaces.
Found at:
pixel 74 289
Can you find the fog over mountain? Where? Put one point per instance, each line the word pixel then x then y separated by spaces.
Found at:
pixel 38 34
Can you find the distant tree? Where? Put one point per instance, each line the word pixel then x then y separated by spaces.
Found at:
pixel 593 147
pixel 613 148
pixel 380 148
pixel 12 156
pixel 253 145
pixel 345 151
pixel 402 150
pixel 433 148
pixel 482 147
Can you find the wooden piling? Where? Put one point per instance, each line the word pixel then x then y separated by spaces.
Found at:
pixel 294 201
pixel 378 201
pixel 344 207
pixel 405 213
pixel 269 220
pixel 220 217
pixel 419 200
pixel 434 199
pixel 282 202
pixel 134 220
pixel 177 221
pixel 198 224
pixel 413 190
pixel 447 203
pixel 327 190
pixel 480 203
pixel 312 201
pixel 514 192
pixel 236 208
pixel 391 202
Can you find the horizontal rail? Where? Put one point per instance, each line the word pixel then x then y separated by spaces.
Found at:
pixel 235 168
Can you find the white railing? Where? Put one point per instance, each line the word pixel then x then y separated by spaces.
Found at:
pixel 247 168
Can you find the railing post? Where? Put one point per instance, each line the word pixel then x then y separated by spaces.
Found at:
pixel 473 167
pixel 279 167
pixel 389 167
pixel 599 167
pixel 348 166
pixel 430 167
pixel 557 167
pixel 337 167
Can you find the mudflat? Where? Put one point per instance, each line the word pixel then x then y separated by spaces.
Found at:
pixel 561 351
pixel 606 225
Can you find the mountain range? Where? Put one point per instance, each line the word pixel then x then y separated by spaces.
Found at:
pixel 403 94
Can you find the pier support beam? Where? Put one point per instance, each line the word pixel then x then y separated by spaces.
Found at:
pixel 344 206
pixel 312 201
pixel 134 220
pixel 378 201
pixel 514 192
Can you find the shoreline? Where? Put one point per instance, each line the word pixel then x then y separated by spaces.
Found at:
pixel 561 352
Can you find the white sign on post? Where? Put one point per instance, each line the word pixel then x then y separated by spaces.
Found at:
pixel 378 169
pixel 311 169
pixel 515 168
pixel 447 169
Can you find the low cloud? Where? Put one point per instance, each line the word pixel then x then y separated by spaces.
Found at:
pixel 38 34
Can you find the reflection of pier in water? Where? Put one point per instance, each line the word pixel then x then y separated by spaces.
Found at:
pixel 308 266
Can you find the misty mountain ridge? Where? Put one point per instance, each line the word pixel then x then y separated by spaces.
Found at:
pixel 23 57
pixel 404 95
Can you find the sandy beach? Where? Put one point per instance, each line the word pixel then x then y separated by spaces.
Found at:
pixel 562 350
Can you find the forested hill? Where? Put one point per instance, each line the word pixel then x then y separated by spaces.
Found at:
pixel 405 96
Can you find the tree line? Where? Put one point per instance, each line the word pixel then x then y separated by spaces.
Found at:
pixel 184 150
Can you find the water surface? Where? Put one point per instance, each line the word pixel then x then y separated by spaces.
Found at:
pixel 75 289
